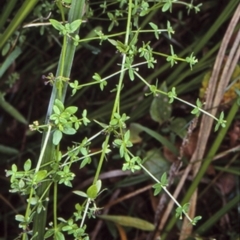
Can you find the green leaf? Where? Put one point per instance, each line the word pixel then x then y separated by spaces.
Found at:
pixel 158 188
pixel 80 193
pixel 195 220
pixel 113 42
pixel 59 236
pixel 166 6
pixel 159 138
pixel 8 150
pixel 57 136
pixel 161 109
pixel 71 110
pixel 85 161
pixel 9 60
pixel 156 163
pixel 164 180
pixel 59 104
pixel 155 28
pixel 57 25
pixel 21 183
pixel 33 200
pixel 75 25
pixel 56 109
pixel 40 175
pixel 172 94
pixel 11 110
pixel 92 191
pixel 177 126
pixel 134 133
pixel 69 130
pixel 27 165
pixel 14 168
pixel 5 49
pixel 99 185
pixel 129 222
pixel 49 233
pixel 20 218
pixel 97 77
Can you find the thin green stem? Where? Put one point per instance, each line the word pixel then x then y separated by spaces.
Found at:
pixel 105 145
pixel 55 196
pixel 43 148
pixel 117 98
pixel 85 212
pixel 60 7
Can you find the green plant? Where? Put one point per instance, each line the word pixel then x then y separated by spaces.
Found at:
pixel 54 166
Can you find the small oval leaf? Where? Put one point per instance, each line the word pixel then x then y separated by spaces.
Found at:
pixel 57 136
pixel 40 175
pixel 27 165
pixel 80 193
pixel 129 222
pixel 92 191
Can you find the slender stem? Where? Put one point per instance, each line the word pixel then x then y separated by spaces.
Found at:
pixel 85 212
pixel 105 145
pixel 43 149
pixel 55 204
pixel 119 88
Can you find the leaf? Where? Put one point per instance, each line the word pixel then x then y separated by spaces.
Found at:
pixel 92 191
pixel 177 126
pixel 56 109
pixel 71 110
pixel 155 28
pixel 69 130
pixel 134 133
pixel 80 193
pixel 9 60
pixel 49 233
pixel 57 136
pixel 19 218
pixel 40 175
pixel 156 163
pixel 166 6
pixel 59 236
pixel 57 25
pixel 158 188
pixel 59 104
pixel 11 110
pixel 161 109
pixel 27 165
pixel 164 180
pixel 159 138
pixel 85 161
pixel 6 49
pixel 75 25
pixel 96 77
pixel 99 185
pixel 129 222
pixel 113 42
pixel 21 183
pixel 8 150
